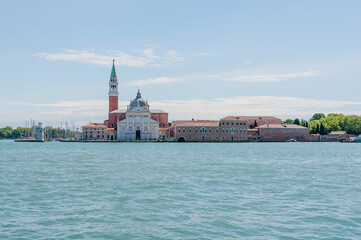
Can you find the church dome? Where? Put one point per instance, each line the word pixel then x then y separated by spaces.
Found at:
pixel 138 101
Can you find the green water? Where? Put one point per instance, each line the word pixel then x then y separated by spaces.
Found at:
pixel 180 191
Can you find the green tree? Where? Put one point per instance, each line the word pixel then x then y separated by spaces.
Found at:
pixel 317 116
pixel 352 124
pixel 16 133
pixel 296 121
pixel 322 129
pixel 3 133
pixel 287 121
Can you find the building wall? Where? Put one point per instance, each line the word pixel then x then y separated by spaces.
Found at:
pixel 111 134
pixel 137 119
pixel 94 133
pixel 226 131
pixel 162 118
pixel 275 134
pixel 113 118
pixel 113 103
pixel 197 133
pixel 39 133
pixel 233 130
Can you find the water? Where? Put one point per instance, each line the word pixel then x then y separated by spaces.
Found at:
pixel 180 191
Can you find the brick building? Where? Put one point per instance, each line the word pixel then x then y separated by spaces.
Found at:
pixel 231 130
pixel 282 132
pixel 255 121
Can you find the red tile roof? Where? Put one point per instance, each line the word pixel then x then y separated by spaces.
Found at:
pixel 252 130
pixel 337 133
pixel 281 126
pixel 198 123
pixel 95 125
pixel 248 117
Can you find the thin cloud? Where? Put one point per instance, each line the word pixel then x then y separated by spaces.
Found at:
pixel 271 77
pixel 96 110
pixel 152 81
pixel 144 58
pixel 174 56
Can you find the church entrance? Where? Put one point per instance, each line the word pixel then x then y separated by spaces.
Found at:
pixel 137 134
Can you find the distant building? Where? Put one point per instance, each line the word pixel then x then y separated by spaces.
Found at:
pixel 255 121
pixel 336 136
pixel 282 132
pixel 95 132
pixel 125 118
pixel 231 130
pixel 138 123
pixel 39 136
pixel 253 134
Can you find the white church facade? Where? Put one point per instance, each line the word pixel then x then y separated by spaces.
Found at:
pixel 138 123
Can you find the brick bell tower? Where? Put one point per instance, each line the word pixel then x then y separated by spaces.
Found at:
pixel 113 96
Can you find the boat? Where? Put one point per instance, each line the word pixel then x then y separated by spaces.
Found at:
pixel 358 139
pixel 292 140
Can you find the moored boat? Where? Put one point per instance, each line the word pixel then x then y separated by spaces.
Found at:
pixel 358 139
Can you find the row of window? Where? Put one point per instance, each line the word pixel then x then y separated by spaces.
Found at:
pixel 223 138
pixel 139 116
pixel 91 132
pixel 137 128
pixel 227 123
pixel 295 136
pixel 285 130
pixel 204 130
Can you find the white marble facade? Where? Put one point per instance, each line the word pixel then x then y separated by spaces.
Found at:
pixel 137 124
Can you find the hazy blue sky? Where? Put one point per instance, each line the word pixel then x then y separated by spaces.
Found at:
pixel 194 59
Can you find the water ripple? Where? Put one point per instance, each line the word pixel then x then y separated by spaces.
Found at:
pixel 180 191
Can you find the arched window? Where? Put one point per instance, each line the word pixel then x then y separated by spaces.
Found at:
pixel 232 130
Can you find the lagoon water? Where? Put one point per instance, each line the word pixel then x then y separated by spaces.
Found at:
pixel 180 190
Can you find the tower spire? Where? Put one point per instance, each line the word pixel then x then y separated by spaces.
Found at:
pixel 113 93
pixel 113 74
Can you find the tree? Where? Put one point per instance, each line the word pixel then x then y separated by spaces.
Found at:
pixel 317 116
pixel 287 121
pixel 297 121
pixel 16 133
pixel 3 133
pixel 322 129
pixel 255 123
pixel 304 123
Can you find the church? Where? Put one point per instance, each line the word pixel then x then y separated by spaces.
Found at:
pixel 136 122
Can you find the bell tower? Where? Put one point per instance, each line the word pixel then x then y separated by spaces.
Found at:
pixel 113 90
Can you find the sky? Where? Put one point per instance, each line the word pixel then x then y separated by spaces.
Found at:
pixel 194 59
